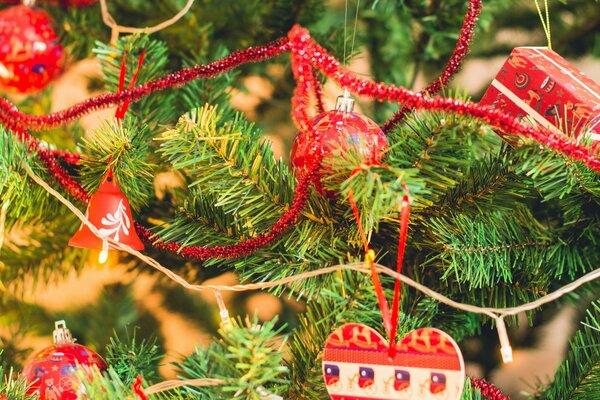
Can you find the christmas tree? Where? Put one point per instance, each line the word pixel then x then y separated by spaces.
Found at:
pixel 482 214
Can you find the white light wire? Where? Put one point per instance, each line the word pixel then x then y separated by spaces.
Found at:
pixel 498 314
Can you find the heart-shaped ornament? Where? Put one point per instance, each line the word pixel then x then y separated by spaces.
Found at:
pixel 428 365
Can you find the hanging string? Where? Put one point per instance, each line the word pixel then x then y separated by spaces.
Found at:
pixel 390 322
pixel 118 29
pixel 355 26
pixel 370 264
pixel 346 60
pixel 345 29
pixel 545 19
pixel 3 213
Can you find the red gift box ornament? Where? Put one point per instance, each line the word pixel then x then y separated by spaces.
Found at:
pixel 51 373
pixel 538 85
pixel 426 365
pixel 109 211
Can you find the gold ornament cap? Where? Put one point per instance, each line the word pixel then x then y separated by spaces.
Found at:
pixel 345 103
pixel 62 334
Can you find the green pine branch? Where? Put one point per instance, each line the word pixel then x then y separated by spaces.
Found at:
pixel 27 201
pixel 578 377
pixel 248 357
pixel 132 356
pixel 123 148
pixel 13 385
pixel 38 250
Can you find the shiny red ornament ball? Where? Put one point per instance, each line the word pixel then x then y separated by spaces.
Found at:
pixel 51 372
pixel 30 55
pixel 340 131
pixel 72 3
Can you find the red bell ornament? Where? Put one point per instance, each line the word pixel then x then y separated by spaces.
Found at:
pixel 30 55
pixel 52 372
pixel 339 131
pixel 109 211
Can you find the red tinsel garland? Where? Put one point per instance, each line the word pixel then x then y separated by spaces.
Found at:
pixel 11 117
pixel 67 157
pixel 317 56
pixel 488 390
pixel 454 63
pixel 305 54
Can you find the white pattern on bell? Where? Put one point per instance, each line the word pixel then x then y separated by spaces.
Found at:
pixel 116 222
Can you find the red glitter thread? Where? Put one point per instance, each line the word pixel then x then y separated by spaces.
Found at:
pixel 305 54
pixel 320 59
pixel 10 116
pixel 67 157
pixel 488 390
pixel 454 63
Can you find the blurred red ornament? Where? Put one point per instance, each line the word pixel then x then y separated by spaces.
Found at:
pixel 72 3
pixel 339 131
pixel 109 211
pixel 30 55
pixel 51 372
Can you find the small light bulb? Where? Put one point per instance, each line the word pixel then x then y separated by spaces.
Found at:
pixel 104 253
pixel 103 256
pixel 505 347
pixel 507 354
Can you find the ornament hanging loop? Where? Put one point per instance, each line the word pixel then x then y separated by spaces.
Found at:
pixel 61 334
pixel 345 103
pixel 117 29
pixel 545 19
pixel 28 3
pixel 3 213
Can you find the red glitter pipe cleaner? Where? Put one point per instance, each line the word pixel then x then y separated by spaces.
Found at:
pixel 66 156
pixel 313 53
pixel 454 63
pixel 10 116
pixel 299 106
pixel 304 53
pixel 488 390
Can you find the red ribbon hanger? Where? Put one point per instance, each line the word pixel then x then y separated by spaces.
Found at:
pixel 122 109
pixel 390 320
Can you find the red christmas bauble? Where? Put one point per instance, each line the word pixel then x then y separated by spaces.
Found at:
pixel 30 55
pixel 72 3
pixel 339 131
pixel 51 372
